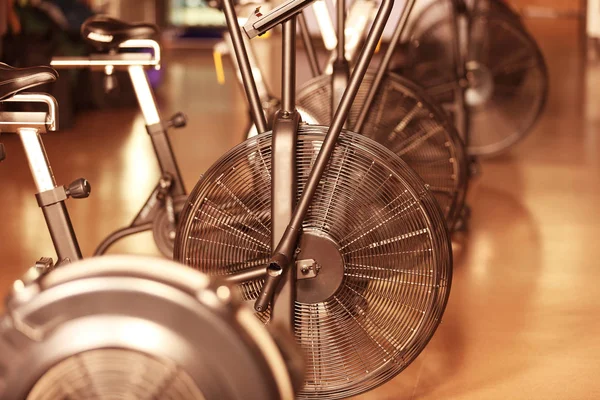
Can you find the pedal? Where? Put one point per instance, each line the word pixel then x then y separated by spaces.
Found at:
pixel 2 152
pixel 79 189
pixel 179 120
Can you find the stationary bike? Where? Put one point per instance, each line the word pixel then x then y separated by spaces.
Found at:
pixel 29 126
pixel 115 41
pixel 123 326
pixel 326 231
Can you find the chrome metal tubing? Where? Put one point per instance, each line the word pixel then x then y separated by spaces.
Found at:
pixel 383 66
pixel 460 33
pixel 340 8
pixel 37 158
pixel 115 60
pixel 259 23
pixel 256 109
pixel 283 202
pixel 261 86
pixel 56 215
pixel 288 79
pixel 311 54
pixel 246 275
pixel 144 94
pixel 52 116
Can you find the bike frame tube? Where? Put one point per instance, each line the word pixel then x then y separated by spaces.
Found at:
pixel 115 60
pixel 311 54
pixel 56 215
pixel 383 66
pixel 144 94
pixel 460 28
pixel 288 81
pixel 259 23
pixel 283 171
pixel 160 140
pixel 256 109
pixel 341 67
pixel 340 11
pixel 263 91
pixel 37 159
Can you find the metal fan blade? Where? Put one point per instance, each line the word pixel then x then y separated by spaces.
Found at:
pixel 404 119
pixel 113 373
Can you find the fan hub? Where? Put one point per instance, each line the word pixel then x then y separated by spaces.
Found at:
pixel 325 252
pixel 480 84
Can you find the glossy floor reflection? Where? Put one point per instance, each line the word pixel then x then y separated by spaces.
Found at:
pixel 522 318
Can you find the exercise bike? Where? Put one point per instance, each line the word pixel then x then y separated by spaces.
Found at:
pixel 123 326
pixel 325 231
pixel 134 48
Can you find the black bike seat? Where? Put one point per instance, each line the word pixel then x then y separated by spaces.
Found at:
pixel 107 33
pixel 13 80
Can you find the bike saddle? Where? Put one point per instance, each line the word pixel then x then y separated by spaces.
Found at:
pixel 107 33
pixel 14 80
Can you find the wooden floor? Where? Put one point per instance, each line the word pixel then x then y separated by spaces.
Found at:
pixel 522 321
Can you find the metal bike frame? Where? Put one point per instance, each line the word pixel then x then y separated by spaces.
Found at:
pixel 341 67
pixel 287 217
pixel 51 198
pixel 460 33
pixel 171 181
pixel 264 93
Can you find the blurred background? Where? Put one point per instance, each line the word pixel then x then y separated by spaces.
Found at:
pixel 522 318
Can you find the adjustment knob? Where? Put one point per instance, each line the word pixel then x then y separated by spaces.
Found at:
pixel 178 120
pixel 79 189
pixel 2 152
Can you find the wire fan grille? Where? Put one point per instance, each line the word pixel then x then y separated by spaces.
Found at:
pixel 387 228
pixel 404 120
pixel 505 71
pixel 114 374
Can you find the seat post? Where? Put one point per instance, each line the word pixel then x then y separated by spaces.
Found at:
pixel 50 197
pixel 155 127
pixel 37 158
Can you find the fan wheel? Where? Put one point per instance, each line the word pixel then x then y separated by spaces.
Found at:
pixel 506 82
pixel 373 227
pixel 114 373
pixel 405 120
pixel 130 327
